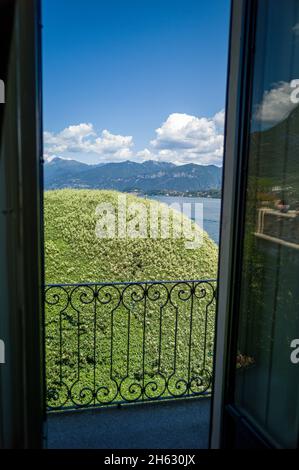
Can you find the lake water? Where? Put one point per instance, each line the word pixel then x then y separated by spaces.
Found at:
pixel 211 211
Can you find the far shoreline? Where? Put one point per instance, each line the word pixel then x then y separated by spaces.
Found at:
pixel 209 194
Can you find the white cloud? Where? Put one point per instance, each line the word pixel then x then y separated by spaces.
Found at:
pixel 183 138
pixel 145 154
pixel 276 104
pixel 296 29
pixel 219 119
pixel 82 139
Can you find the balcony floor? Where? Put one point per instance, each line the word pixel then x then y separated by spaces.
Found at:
pixel 177 424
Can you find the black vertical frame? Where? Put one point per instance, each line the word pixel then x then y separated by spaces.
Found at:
pixel 22 410
pixel 238 222
pixel 228 428
pixel 31 173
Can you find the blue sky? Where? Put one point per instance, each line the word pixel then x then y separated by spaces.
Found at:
pixel 135 79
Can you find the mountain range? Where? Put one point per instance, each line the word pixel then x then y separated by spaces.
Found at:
pixel 147 177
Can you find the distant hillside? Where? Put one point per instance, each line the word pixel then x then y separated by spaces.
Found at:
pixel 144 177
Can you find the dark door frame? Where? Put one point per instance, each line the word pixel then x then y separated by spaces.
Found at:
pixel 22 409
pixel 229 428
pixel 238 102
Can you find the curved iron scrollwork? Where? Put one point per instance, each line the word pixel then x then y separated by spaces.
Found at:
pixel 110 343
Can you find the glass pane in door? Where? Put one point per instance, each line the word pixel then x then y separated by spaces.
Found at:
pixel 267 381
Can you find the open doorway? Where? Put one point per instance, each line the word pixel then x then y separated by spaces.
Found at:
pixel 134 96
pixel 129 360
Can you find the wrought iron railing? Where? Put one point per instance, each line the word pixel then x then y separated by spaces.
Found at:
pixel 111 343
